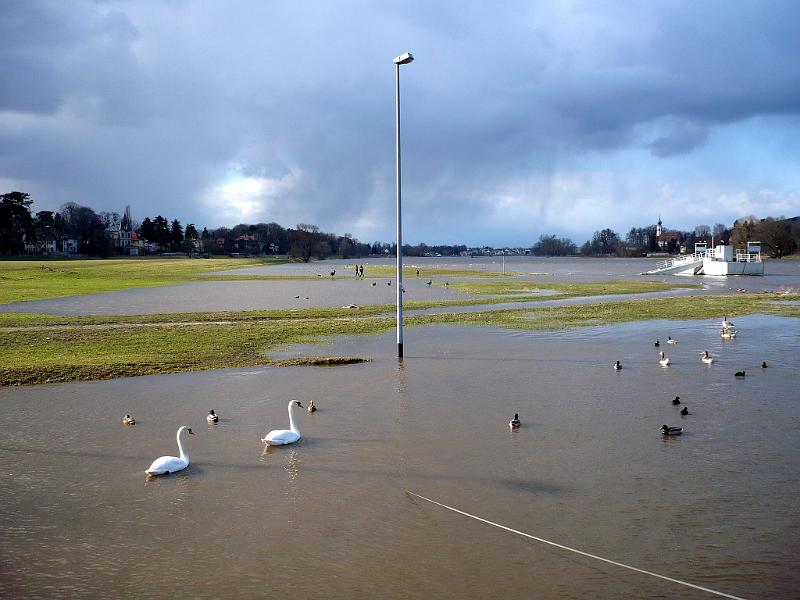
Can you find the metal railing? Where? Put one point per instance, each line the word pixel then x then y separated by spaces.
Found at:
pixel 743 256
pixel 681 260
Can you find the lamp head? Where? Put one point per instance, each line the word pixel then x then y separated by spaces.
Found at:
pixel 403 59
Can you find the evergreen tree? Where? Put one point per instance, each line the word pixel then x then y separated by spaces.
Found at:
pixel 15 221
pixel 176 234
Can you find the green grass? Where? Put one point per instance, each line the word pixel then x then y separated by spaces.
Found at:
pixel 36 280
pixel 567 289
pixel 50 349
pixel 605 313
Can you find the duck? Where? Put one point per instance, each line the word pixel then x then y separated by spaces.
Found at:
pixel 128 420
pixel 282 437
pixel 172 464
pixel 707 358
pixel 430 281
pixel 389 283
pixel 333 272
pixel 664 362
pixel 617 366
pixel 676 401
pixel 727 333
pixel 764 365
pixel 657 344
pixel 374 283
pixel 671 341
pixel 684 411
pixel 666 430
pixel 311 407
pixel 212 416
pixel 515 422
pixel 739 373
pixel 726 324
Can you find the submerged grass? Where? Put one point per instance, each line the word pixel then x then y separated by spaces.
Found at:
pixel 43 349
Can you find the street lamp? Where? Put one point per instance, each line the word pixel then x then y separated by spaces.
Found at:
pixel 403 59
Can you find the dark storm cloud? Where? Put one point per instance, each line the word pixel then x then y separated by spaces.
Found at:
pixel 163 105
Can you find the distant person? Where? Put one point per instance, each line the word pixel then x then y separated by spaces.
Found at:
pixel 417 272
pixel 355 268
pixel 361 268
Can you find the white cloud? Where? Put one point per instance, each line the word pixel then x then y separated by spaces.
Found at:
pixel 242 199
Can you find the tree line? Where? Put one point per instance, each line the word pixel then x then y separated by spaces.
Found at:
pixel 779 236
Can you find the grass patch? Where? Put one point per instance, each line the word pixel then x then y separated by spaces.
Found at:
pixel 84 349
pixel 605 313
pixel 36 280
pixel 498 288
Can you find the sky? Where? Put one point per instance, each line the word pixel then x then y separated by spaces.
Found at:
pixel 519 118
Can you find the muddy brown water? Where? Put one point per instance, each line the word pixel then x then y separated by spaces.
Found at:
pixel 328 517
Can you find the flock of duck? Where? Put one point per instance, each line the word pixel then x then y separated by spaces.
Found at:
pixel 281 437
pixel 165 465
pixel 727 332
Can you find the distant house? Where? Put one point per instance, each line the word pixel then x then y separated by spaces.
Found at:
pixel 40 247
pixel 69 246
pixel 120 236
pixel 248 244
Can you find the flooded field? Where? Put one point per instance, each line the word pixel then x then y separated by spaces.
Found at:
pixel 327 292
pixel 329 517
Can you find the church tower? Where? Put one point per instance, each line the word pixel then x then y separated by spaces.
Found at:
pixel 658 227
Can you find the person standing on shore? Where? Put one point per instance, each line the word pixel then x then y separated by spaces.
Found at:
pixel 355 268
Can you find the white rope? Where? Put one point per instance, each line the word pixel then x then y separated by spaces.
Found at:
pixel 544 541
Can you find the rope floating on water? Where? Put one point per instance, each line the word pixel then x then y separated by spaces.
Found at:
pixel 544 541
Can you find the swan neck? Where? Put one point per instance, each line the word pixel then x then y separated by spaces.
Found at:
pixel 292 424
pixel 181 449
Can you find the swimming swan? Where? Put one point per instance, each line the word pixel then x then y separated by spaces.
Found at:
pixel 664 362
pixel 707 358
pixel 515 422
pixel 212 416
pixel 129 420
pixel 281 437
pixel 171 464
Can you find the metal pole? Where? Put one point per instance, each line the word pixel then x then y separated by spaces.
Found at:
pixel 399 223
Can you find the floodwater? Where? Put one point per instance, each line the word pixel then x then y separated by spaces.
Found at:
pixel 328 517
pixel 326 292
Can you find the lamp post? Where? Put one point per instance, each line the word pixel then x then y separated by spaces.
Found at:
pixel 403 59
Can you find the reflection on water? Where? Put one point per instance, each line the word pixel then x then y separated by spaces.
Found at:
pixel 328 517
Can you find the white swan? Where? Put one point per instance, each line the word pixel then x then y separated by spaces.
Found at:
pixel 707 358
pixel 281 437
pixel 664 362
pixel 212 417
pixel 171 464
